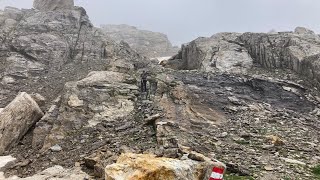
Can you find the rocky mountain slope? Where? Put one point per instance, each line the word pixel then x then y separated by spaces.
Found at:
pixel 147 43
pixel 41 50
pixel 219 101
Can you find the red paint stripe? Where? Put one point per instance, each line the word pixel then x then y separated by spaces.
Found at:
pixel 218 170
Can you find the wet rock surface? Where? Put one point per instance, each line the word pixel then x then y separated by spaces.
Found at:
pixel 259 108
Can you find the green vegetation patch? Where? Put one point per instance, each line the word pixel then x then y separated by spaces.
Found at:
pixel 235 177
pixel 316 171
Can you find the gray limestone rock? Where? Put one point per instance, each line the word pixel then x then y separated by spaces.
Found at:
pixel 285 50
pixel 52 5
pixel 42 50
pixel 218 53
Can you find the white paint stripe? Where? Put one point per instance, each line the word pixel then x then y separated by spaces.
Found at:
pixel 216 175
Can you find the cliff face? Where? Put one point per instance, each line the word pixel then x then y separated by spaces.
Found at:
pixel 231 52
pixel 42 50
pixel 147 43
pixel 287 50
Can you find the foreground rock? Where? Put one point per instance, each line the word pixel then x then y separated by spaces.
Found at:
pixel 145 166
pixel 147 43
pixel 16 119
pixel 52 5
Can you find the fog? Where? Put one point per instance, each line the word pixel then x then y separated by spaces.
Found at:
pixel 185 20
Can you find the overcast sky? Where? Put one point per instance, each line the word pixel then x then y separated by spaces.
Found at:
pixel 185 20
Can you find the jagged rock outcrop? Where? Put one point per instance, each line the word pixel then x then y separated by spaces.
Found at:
pixel 286 50
pixel 147 43
pixel 52 5
pixel 16 119
pixel 104 96
pixel 42 50
pixel 146 166
pixel 220 52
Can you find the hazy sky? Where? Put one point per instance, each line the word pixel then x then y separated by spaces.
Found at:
pixel 184 20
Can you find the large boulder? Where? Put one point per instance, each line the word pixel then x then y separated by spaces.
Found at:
pixel 218 53
pixel 147 43
pixel 52 5
pixel 146 166
pixel 16 119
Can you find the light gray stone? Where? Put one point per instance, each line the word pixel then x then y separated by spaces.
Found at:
pixel 56 148
pixel 298 51
pixel 52 5
pixel 16 119
pixel 56 172
pixel 218 53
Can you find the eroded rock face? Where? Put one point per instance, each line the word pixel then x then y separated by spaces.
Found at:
pixel 49 48
pixel 236 53
pixel 104 97
pixel 310 67
pixel 147 43
pixel 53 5
pixel 218 53
pixel 286 50
pixel 144 166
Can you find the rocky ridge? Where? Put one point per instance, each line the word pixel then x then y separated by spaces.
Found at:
pixel 235 52
pixel 147 43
